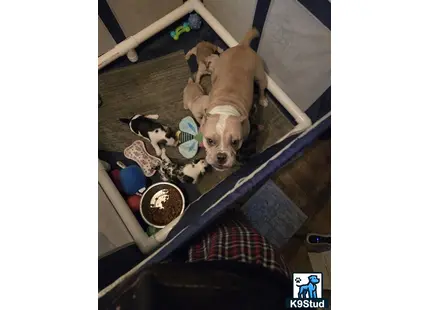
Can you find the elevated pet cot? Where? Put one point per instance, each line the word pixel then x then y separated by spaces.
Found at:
pixel 208 206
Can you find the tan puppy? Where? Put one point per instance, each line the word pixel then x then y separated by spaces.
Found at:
pixel 225 124
pixel 205 55
pixel 195 99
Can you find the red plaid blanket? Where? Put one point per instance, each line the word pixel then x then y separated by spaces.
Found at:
pixel 235 241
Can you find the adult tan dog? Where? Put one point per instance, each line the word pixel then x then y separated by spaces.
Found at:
pixel 225 124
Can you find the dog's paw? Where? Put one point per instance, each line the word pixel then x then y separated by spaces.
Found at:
pixel 152 116
pixel 264 102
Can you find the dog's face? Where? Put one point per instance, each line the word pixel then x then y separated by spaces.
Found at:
pixel 314 279
pixel 222 138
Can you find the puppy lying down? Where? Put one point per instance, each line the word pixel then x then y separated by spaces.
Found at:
pixel 205 56
pixel 195 99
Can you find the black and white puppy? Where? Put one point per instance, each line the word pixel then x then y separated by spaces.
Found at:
pixel 147 128
pixel 188 173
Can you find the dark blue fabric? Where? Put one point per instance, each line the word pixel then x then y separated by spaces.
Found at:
pixel 193 218
pixel 112 25
pixel 260 15
pixel 320 107
pixel 321 9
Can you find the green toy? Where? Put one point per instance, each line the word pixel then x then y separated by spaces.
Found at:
pixel 152 230
pixel 181 29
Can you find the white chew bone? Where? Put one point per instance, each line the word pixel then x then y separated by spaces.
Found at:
pixel 138 153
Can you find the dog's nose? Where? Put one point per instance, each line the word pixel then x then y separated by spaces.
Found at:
pixel 221 158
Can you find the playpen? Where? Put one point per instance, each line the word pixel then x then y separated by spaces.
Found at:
pixel 208 206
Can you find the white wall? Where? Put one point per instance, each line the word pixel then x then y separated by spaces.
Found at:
pixel 235 15
pixel 134 15
pixel 106 42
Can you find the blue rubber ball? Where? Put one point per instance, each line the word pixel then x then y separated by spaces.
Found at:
pixel 132 180
pixel 195 21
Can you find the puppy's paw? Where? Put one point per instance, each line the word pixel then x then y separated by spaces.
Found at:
pixel 152 116
pixel 264 102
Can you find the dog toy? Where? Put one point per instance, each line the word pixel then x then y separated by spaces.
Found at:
pixel 184 173
pixel 134 202
pixel 185 27
pixel 146 127
pixel 138 153
pixel 152 230
pixel 132 179
pixel 114 175
pixel 195 21
pixel 188 137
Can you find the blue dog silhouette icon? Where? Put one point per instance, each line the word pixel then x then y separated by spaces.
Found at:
pixel 309 290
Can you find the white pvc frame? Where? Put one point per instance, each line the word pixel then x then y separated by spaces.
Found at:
pixel 126 47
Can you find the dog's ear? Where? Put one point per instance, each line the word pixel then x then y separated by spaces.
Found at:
pixel 167 129
pixel 204 118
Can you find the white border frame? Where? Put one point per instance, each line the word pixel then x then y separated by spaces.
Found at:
pixel 126 47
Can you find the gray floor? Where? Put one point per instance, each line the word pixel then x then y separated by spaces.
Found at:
pixel 152 87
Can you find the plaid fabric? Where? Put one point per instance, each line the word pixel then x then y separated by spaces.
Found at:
pixel 236 242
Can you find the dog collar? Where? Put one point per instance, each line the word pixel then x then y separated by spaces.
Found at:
pixel 225 110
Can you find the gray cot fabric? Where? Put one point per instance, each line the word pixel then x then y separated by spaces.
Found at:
pixel 296 49
pixel 112 231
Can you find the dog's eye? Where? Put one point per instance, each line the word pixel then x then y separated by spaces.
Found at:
pixel 235 143
pixel 210 141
